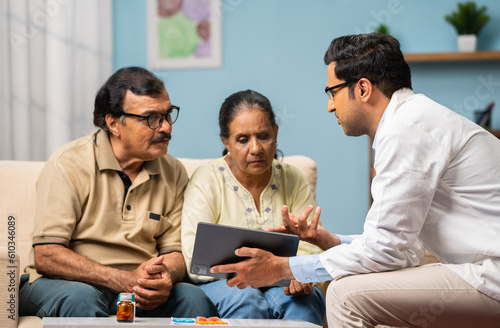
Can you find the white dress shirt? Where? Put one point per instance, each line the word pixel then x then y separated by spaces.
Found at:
pixel 437 186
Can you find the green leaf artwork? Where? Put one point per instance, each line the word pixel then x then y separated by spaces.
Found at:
pixel 177 36
pixel 184 34
pixel 183 28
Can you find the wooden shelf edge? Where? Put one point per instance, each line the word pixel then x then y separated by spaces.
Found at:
pixel 452 56
pixel 496 133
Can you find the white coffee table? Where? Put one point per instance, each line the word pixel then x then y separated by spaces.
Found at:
pixel 164 322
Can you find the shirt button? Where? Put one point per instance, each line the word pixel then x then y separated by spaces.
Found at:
pixel 309 279
pixel 129 207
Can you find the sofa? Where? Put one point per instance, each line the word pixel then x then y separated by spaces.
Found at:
pixel 17 209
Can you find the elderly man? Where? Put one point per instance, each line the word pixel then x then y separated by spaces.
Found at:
pixel 437 187
pixel 108 213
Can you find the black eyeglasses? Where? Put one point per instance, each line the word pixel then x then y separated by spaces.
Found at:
pixel 155 120
pixel 328 90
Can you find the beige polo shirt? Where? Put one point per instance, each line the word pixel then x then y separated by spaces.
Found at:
pixel 81 204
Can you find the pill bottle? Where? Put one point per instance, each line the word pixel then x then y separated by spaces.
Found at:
pixel 125 308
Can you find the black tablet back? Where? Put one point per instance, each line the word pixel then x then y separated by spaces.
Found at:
pixel 215 244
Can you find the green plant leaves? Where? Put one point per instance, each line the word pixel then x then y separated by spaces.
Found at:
pixel 468 19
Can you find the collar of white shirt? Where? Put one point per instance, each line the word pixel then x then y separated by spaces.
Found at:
pixel 398 98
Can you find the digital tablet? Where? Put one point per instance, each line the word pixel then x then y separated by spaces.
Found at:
pixel 215 244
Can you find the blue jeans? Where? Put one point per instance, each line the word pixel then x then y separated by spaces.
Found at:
pixel 265 303
pixel 62 298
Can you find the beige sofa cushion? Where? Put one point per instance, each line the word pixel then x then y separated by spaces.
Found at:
pixel 17 194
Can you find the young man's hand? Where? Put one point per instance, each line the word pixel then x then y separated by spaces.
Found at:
pixel 262 269
pixel 311 232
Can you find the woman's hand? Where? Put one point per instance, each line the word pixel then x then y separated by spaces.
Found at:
pixel 298 288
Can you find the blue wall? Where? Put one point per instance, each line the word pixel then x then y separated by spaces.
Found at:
pixel 276 47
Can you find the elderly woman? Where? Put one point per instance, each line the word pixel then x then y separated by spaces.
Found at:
pixel 247 188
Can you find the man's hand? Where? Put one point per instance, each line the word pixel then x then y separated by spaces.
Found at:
pixel 298 288
pixel 125 281
pixel 151 283
pixel 311 232
pixel 154 284
pixel 262 269
pixel 151 269
pixel 156 279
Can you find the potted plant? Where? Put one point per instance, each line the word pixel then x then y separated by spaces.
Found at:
pixel 382 28
pixel 468 20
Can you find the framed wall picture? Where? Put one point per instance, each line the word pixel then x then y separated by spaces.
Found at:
pixel 184 34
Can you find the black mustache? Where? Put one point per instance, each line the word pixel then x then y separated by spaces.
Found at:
pixel 162 137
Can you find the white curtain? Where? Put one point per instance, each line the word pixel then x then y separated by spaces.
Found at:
pixel 54 55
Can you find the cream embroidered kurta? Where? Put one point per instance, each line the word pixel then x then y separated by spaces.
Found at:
pixel 214 195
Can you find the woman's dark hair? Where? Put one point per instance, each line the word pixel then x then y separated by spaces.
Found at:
pixel 110 98
pixel 238 102
pixel 374 56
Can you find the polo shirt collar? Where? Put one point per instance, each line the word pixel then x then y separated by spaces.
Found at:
pixel 106 159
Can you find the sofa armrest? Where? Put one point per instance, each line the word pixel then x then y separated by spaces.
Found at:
pixel 307 166
pixel 429 258
pixel 9 287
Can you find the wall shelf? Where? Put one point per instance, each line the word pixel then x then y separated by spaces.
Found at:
pixel 496 133
pixel 452 56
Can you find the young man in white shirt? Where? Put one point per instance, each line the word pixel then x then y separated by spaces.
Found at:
pixel 437 187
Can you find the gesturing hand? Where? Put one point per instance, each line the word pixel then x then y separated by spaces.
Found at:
pixel 311 232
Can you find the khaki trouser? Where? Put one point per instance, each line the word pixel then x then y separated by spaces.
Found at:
pixel 426 296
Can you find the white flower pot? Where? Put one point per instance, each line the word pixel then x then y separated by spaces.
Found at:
pixel 467 42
